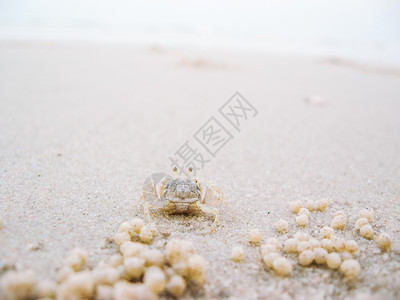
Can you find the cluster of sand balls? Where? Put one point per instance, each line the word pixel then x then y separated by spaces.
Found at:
pixel 135 229
pixel 303 212
pixel 18 285
pixel 363 225
pixel 138 272
pixel 327 249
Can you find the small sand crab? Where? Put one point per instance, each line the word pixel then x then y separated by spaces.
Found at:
pixel 181 195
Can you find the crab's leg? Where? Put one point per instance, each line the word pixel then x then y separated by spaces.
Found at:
pixel 204 193
pixel 158 191
pixel 212 196
pixel 142 196
pixel 146 211
pixel 139 202
pixel 211 210
pixel 146 207
pixel 218 191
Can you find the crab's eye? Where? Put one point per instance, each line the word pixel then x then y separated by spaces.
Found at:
pixel 175 170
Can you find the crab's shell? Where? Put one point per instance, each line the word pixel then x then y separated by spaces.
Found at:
pixel 177 193
pixel 181 194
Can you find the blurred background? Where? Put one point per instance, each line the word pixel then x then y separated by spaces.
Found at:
pixel 361 30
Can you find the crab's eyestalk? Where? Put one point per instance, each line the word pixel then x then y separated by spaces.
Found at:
pixel 190 171
pixel 175 170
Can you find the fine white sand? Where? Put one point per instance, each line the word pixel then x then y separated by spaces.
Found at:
pixel 82 126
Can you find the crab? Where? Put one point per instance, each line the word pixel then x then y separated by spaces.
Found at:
pixel 181 195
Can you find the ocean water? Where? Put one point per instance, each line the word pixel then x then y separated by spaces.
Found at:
pixel 366 31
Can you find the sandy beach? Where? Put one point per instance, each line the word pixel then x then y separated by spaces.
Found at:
pixel 82 125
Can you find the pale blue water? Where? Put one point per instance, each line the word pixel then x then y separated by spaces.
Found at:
pixel 361 30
